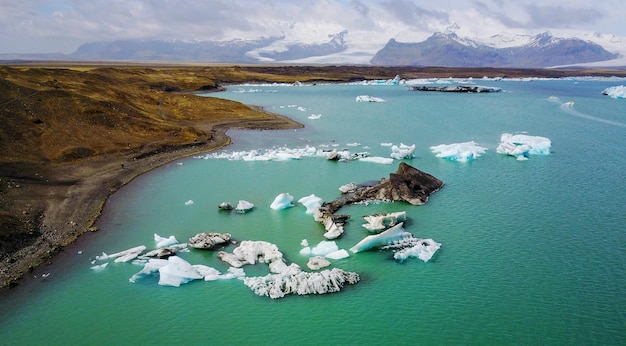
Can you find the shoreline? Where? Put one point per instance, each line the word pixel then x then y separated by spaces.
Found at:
pixel 52 206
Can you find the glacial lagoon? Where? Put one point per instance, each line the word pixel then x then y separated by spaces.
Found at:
pixel 532 246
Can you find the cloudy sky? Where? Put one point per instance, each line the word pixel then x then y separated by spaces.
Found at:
pixel 46 26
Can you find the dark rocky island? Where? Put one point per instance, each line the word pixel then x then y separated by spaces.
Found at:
pixel 456 88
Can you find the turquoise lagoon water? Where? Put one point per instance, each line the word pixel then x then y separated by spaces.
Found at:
pixel 533 252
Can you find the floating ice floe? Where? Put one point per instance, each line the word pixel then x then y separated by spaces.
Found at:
pixel 378 159
pixel 315 116
pixel 99 266
pixel 282 201
pixel 350 187
pixel 189 202
pixel 466 151
pixel 243 207
pixel 123 256
pixel 616 92
pixel 163 242
pixel 368 98
pixel 311 203
pixel 176 271
pixel 521 146
pixel 284 279
pixel 387 237
pixel 379 222
pixel 317 263
pixel 402 151
pixel 424 249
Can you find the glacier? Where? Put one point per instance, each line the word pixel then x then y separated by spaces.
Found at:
pixel 521 146
pixel 282 201
pixel 616 92
pixel 465 151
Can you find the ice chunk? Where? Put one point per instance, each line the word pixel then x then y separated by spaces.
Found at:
pixel 189 202
pixel 315 116
pixel 99 267
pixel 523 145
pixel 311 203
pixel 282 201
pixel 616 92
pixel 177 271
pixel 324 247
pixel 278 285
pixel 124 256
pixel 395 233
pixel 368 98
pixel 466 151
pixel 151 267
pixel 339 254
pixel 402 152
pixel 377 159
pixel 317 263
pixel 306 251
pixel 243 207
pixel 350 187
pixel 163 242
pixel 378 222
pixel 424 250
pixel 251 252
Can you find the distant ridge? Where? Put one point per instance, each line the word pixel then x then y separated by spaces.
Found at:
pixel 449 50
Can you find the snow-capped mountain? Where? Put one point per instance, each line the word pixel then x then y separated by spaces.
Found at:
pixel 440 49
pixel 450 50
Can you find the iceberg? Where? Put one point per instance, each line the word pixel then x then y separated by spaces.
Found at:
pixel 423 249
pixel 279 285
pixel 377 159
pixel 394 234
pixel 251 252
pixel 339 254
pixel 189 202
pixel 282 201
pixel 402 152
pixel 324 247
pixel 124 256
pixel 521 146
pixel 151 267
pixel 317 263
pixel 616 92
pixel 163 242
pixel 368 98
pixel 99 267
pixel 466 151
pixel 315 116
pixel 177 271
pixel 311 203
pixel 350 187
pixel 378 222
pixel 243 207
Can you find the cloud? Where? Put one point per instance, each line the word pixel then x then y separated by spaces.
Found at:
pixel 561 16
pixel 409 13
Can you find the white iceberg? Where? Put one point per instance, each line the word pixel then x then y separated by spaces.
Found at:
pixel 350 187
pixel 251 252
pixel 378 222
pixel 243 207
pixel 189 202
pixel 616 92
pixel 317 263
pixel 377 159
pixel 339 254
pixel 521 146
pixel 394 234
pixel 424 249
pixel 163 242
pixel 278 285
pixel 177 271
pixel 311 203
pixel 466 151
pixel 151 267
pixel 324 247
pixel 315 116
pixel 368 98
pixel 123 256
pixel 282 201
pixel 402 151
pixel 100 266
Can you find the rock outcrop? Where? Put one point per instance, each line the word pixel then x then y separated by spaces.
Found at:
pixel 407 184
pixel 209 241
